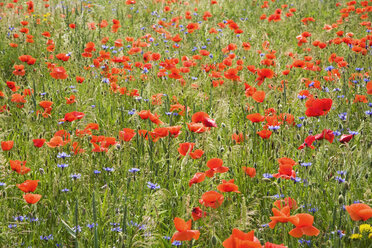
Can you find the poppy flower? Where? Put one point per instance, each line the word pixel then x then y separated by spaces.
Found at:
pixel 197 178
pixel 126 134
pixel 215 166
pixel 196 127
pixel 265 134
pixel 58 73
pixel 292 204
pixel 359 211
pixel 211 199
pixel 240 239
pixel 19 70
pixel 184 231
pixel 197 213
pixel 257 117
pixel 326 134
pixel 196 154
pixel 7 145
pixel 203 118
pixel 185 148
pixel 259 96
pixel 249 171
pixel 174 131
pixel 304 226
pixel 282 216
pixel 308 142
pixel 238 138
pixel 28 185
pixel 228 186
pixel 74 115
pixel 263 74
pixel 318 107
pixel 345 138
pixel 19 167
pixel 38 142
pixel 32 198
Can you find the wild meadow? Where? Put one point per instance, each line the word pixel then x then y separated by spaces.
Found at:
pixel 210 123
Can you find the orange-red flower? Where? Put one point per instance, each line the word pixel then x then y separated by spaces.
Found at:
pixel 282 216
pixel 197 178
pixel 265 134
pixel 359 211
pixel 288 201
pixel 228 186
pixel 184 231
pixel 32 198
pixel 211 199
pixel 250 171
pixel 127 134
pixel 7 145
pixel 19 167
pixel 28 185
pixel 257 117
pixel 38 142
pixel 197 213
pixel 58 73
pixel 215 166
pixel 304 226
pixel 239 239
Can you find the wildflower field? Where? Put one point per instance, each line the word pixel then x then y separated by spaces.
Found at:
pixel 210 123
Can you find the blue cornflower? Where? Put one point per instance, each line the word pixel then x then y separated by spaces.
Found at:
pixel 177 243
pixel 274 128
pixel 339 179
pixel 341 173
pixel 78 228
pixel 2 184
pixel 151 185
pixel 304 241
pixel 62 166
pixel 306 164
pixel 353 132
pixel 267 175
pixel 75 176
pixel 90 226
pixel 134 170
pixel 97 172
pixel 343 116
pixel 63 155
pixel 65 190
pixel 369 112
pixel 108 169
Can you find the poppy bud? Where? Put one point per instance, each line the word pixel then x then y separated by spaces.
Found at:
pixel 117 146
pixel 341 199
pixel 346 186
pixel 289 110
pixel 219 138
pixel 41 170
pixel 222 149
pixel 298 137
pixel 223 124
pixel 214 240
pixel 266 179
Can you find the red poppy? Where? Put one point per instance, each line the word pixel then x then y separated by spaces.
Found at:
pixel 228 186
pixel 259 96
pixel 211 199
pixel 196 127
pixel 58 73
pixel 127 134
pixel 74 115
pixel 238 138
pixel 249 171
pixel 326 134
pixel 28 185
pixel 32 198
pixel 345 138
pixel 292 204
pixel 304 226
pixel 263 74
pixel 265 134
pixel 184 231
pixel 174 131
pixel 7 145
pixel 318 107
pixel 185 148
pixel 19 167
pixel 359 211
pixel 38 142
pixel 197 178
pixel 282 216
pixel 257 117
pixel 215 166
pixel 197 213
pixel 241 239
pixel 308 142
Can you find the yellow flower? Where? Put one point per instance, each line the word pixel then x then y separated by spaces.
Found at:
pixel 370 235
pixel 365 228
pixel 356 236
